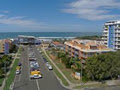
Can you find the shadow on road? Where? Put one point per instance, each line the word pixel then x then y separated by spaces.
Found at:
pixel 19 86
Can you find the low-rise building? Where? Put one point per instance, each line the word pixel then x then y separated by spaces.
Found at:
pixel 25 40
pixel 82 49
pixel 58 45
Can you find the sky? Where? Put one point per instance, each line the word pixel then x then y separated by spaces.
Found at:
pixel 57 15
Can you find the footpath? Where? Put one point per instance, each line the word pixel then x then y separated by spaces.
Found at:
pixel 16 56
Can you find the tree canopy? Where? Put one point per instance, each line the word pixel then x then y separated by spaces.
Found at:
pixel 103 66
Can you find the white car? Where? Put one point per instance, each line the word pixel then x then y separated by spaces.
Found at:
pixel 35 76
pixel 47 64
pixel 18 72
pixel 40 52
pixel 50 67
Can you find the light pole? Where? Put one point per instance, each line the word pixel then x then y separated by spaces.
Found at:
pixel 5 75
pixel 81 72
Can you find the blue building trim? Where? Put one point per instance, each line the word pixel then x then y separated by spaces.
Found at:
pixel 6 48
pixel 111 37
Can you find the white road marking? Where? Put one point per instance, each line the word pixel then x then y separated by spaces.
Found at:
pixel 38 85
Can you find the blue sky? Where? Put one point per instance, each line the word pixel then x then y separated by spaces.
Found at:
pixel 57 15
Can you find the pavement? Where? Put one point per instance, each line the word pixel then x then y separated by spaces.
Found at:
pixel 48 82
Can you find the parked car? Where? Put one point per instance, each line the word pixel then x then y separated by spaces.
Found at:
pixel 18 72
pixel 47 64
pixel 50 67
pixel 19 64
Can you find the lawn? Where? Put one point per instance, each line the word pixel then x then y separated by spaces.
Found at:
pixel 11 76
pixel 1 80
pixel 90 86
pixel 58 73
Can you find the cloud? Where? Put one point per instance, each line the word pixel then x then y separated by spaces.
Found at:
pixel 21 21
pixel 4 11
pixel 93 9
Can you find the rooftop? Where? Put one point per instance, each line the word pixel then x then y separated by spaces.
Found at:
pixel 88 45
pixel 23 36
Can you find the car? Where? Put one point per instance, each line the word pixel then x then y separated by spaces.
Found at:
pixel 40 51
pixel 18 72
pixel 45 60
pixel 47 64
pixel 50 67
pixel 35 76
pixel 19 64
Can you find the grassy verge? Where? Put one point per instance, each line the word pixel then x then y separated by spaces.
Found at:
pixel 11 76
pixel 1 81
pixel 57 73
pixel 90 86
pixel 20 50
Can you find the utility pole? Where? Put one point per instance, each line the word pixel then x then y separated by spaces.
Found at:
pixel 81 73
pixel 5 75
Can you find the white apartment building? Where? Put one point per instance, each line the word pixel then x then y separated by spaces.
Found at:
pixel 111 34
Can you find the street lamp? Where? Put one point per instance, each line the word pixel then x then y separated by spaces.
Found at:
pixel 81 72
pixel 5 75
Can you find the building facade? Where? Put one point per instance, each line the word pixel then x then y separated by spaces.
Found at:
pixel 111 34
pixel 82 49
pixel 26 39
pixel 5 46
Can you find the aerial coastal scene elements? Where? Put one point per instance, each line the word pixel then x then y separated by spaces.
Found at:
pixel 60 45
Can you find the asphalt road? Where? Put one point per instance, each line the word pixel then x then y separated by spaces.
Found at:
pixel 23 82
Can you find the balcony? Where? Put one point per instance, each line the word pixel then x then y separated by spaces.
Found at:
pixel 117 35
pixel 117 31
pixel 77 53
pixel 117 43
pixel 106 31
pixel 105 35
pixel 83 55
pixel 117 39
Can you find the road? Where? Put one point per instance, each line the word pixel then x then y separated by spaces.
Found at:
pixel 48 82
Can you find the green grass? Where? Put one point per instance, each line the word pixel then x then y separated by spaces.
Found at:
pixel 11 76
pixel 88 86
pixel 1 81
pixel 19 50
pixel 58 73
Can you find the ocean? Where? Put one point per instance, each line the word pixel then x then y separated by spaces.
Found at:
pixel 4 35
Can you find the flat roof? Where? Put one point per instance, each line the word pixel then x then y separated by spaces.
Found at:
pixel 26 36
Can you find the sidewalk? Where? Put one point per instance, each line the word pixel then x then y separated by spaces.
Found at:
pixel 3 84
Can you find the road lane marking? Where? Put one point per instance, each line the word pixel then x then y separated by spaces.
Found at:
pixel 38 85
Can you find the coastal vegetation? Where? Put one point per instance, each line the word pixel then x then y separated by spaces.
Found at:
pixel 103 66
pixel 94 37
pixel 13 48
